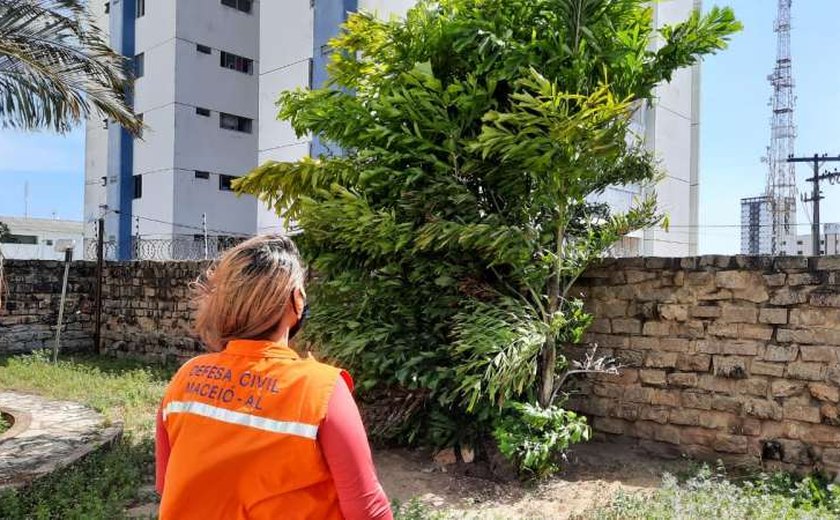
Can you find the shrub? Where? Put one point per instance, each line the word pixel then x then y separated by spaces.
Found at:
pixel 447 233
pixel 533 437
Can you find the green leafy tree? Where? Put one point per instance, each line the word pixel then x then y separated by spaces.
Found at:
pixel 448 234
pixel 56 68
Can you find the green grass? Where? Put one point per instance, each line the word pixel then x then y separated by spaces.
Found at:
pixel 4 424
pixel 122 390
pixel 712 495
pixel 103 485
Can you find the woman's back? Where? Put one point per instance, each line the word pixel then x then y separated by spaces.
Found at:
pixel 229 416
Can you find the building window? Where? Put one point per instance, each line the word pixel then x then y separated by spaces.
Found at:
pixel 224 182
pixel 234 62
pixel 241 5
pixel 202 175
pixel 202 111
pixel 48 242
pixel 139 65
pixel 138 186
pixel 311 73
pixel 29 240
pixel 799 253
pixel 237 123
pixel 107 7
pixel 140 8
pixel 203 48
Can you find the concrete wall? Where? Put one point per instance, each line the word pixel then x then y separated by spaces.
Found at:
pixel 724 357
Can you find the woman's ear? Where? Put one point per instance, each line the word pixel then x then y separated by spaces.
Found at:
pixel 299 297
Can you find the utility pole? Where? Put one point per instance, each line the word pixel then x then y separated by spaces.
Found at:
pixel 204 228
pixel 816 194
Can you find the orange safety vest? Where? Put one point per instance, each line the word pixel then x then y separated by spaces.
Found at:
pixel 243 427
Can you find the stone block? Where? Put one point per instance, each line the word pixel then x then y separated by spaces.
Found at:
pixel 732 313
pixel 600 325
pixel 682 379
pixel 786 388
pixel 656 359
pixel 627 411
pixel 697 436
pixel 693 329
pixel 669 398
pixel 705 311
pixel 610 309
pixel 763 368
pixel 656 328
pixel 773 316
pixel 697 400
pixel 775 280
pixel 809 336
pixel 818 317
pixel 801 412
pixel 829 414
pixel 679 345
pixel 726 330
pixel 685 416
pixel 757 386
pixel 806 371
pixel 786 296
pixel 629 357
pixel 723 294
pixel 725 443
pixel 723 403
pixel 694 363
pixel 823 354
pixel 637 394
pixel 817 434
pixel 763 409
pixel 733 279
pixel 644 342
pixel 740 348
pixel 780 353
pixel 828 263
pixel 733 367
pixel 825 299
pixel 609 425
pixel 673 312
pixel 796 279
pixel 824 392
pixel 653 377
pixel 643 429
pixel 667 433
pixel 634 277
pixel 626 326
pixel 656 414
pixel 790 263
pixel 702 279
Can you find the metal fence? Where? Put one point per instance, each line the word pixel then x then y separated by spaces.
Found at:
pixel 186 247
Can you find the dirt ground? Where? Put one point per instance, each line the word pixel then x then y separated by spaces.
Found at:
pixel 594 472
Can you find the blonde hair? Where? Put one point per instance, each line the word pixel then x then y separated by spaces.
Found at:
pixel 244 294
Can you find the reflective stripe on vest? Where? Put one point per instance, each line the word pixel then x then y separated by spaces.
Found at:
pixel 309 431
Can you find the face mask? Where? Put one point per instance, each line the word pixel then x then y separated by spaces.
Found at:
pixel 299 325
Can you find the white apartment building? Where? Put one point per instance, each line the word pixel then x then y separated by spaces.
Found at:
pixel 36 238
pixel 209 74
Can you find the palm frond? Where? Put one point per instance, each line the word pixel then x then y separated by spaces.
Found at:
pixel 56 68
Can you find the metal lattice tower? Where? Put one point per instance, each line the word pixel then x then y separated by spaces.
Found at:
pixel 781 175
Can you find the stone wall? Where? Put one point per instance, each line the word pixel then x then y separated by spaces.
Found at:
pixel 31 301
pixel 724 357
pixel 145 308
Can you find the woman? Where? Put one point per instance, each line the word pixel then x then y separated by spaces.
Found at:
pixel 252 430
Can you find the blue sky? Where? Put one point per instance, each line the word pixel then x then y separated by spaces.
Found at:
pixel 734 122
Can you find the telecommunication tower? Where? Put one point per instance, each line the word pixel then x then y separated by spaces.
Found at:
pixel 781 175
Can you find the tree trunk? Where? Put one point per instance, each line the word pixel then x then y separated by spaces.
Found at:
pixel 548 354
pixel 548 360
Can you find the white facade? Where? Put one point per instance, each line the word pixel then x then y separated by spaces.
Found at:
pixel 37 238
pixel 802 245
pixel 286 41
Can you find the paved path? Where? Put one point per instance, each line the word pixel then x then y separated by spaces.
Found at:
pixel 47 435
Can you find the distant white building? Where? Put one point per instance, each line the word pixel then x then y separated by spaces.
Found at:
pixel 757 226
pixel 802 245
pixel 36 238
pixel 209 73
